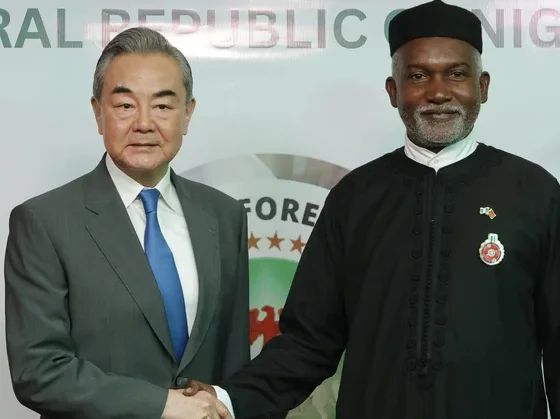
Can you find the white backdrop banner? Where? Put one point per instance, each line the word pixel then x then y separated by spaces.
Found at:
pixel 290 96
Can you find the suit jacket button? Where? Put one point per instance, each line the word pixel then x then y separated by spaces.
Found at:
pixel 181 382
pixel 411 364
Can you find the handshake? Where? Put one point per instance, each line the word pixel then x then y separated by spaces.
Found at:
pixel 197 401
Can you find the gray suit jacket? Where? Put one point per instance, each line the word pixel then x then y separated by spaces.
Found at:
pixel 87 335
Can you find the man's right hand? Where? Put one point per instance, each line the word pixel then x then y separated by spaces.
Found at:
pixel 180 407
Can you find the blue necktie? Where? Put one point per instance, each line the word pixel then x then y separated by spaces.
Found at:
pixel 166 274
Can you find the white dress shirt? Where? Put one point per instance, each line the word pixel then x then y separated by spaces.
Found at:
pixel 449 155
pixel 173 226
pixel 175 231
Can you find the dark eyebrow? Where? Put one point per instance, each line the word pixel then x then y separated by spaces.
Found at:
pixel 157 95
pixel 120 89
pixel 164 93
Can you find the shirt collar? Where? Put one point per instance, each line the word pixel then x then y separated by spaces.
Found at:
pixel 449 155
pixel 129 189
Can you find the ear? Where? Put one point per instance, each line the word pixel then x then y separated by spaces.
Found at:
pixel 391 88
pixel 188 115
pixel 97 112
pixel 484 86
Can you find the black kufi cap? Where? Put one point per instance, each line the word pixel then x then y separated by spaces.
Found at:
pixel 435 19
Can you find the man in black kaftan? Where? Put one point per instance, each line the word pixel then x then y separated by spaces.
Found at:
pixel 435 267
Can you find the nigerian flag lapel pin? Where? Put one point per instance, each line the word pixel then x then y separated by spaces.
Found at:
pixel 488 211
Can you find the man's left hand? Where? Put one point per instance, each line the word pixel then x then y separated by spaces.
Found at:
pixel 195 386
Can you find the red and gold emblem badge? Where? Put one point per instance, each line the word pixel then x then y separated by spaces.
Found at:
pixel 491 250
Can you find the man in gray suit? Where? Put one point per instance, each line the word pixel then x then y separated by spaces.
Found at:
pixel 125 283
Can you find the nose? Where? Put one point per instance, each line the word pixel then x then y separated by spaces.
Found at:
pixel 144 121
pixel 438 91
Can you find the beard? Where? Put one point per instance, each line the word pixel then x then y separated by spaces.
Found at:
pixel 429 130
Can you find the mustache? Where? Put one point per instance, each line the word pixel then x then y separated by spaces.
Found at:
pixel 440 109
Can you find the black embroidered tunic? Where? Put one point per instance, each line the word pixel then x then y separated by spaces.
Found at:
pixel 443 289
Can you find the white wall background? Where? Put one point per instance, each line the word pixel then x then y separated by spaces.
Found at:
pixel 328 103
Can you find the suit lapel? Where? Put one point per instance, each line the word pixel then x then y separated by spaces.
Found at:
pixel 203 231
pixel 111 228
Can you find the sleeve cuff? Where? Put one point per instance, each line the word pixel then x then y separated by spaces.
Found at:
pixel 223 396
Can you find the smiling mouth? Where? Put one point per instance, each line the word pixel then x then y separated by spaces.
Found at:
pixel 440 116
